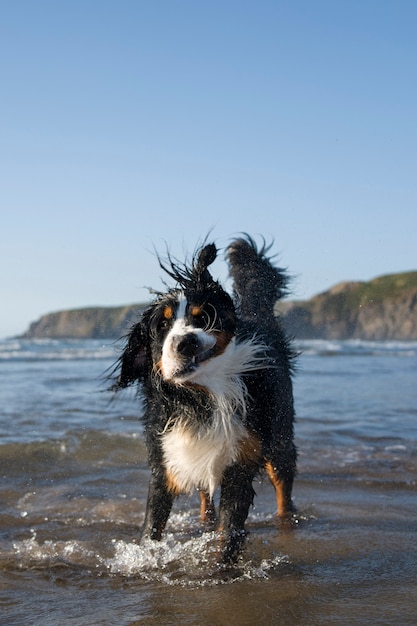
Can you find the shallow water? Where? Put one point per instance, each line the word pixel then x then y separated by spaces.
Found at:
pixel 74 482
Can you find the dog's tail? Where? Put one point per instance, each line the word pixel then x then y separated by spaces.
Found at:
pixel 257 283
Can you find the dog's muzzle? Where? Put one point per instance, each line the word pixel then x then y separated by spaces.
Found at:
pixel 192 348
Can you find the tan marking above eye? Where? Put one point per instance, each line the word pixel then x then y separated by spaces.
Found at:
pixel 168 313
pixel 196 310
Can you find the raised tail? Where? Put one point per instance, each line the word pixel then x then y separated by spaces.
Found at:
pixel 257 283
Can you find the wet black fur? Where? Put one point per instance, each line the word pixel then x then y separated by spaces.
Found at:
pixel 270 412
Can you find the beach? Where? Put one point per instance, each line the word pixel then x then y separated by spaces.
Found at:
pixel 74 482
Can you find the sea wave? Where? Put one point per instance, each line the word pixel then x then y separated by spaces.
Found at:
pixel 19 349
pixel 56 349
pixel 357 347
pixel 74 452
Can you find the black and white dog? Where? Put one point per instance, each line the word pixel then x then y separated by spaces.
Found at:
pixel 215 373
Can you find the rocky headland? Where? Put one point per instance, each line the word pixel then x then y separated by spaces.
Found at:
pixel 86 323
pixel 384 308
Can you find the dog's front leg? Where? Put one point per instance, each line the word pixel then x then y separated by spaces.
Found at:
pixel 236 497
pixel 158 507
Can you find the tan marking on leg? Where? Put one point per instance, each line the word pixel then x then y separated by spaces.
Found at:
pixel 172 484
pixel 249 449
pixel 207 510
pixel 284 504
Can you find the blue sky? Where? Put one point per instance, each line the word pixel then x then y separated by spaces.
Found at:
pixel 128 124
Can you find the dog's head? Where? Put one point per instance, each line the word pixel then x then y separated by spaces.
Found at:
pixel 184 330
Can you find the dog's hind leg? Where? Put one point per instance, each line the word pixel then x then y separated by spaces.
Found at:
pixel 158 508
pixel 283 489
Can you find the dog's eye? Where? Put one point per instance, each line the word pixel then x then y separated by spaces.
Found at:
pixel 198 315
pixel 164 324
pixel 165 318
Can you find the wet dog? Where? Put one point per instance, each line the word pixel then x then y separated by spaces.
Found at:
pixel 216 375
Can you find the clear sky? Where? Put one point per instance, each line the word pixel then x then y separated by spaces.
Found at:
pixel 127 124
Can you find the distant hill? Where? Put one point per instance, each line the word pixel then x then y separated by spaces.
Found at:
pixel 381 309
pixel 87 323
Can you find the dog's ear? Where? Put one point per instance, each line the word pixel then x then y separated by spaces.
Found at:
pixel 133 362
pixel 195 275
pixel 206 256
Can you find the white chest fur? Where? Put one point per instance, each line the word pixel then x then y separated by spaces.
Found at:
pixel 198 458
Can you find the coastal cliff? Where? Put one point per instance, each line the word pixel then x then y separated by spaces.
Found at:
pixel 87 323
pixel 382 309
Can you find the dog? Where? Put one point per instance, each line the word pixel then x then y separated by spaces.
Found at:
pixel 215 372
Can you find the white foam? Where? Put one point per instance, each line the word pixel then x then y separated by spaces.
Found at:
pixel 30 553
pixel 193 562
pixel 173 561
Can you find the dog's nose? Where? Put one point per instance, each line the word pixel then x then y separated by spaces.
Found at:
pixel 187 345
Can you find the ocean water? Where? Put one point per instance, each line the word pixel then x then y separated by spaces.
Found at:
pixel 73 491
